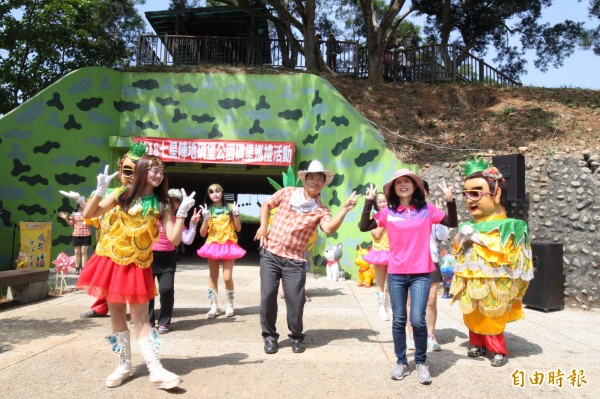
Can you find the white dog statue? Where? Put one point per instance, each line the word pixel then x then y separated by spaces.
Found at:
pixel 333 254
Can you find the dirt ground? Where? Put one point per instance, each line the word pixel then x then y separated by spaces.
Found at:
pixel 449 121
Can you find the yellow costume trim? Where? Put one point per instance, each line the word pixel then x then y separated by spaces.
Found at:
pixel 490 281
pixel 128 238
pixel 383 244
pixel 221 229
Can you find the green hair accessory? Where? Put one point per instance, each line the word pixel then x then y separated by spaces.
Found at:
pixel 474 165
pixel 136 151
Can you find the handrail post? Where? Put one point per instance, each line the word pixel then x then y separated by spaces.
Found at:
pixel 454 62
pixel 356 72
pixel 433 63
pixel 481 71
pixel 166 46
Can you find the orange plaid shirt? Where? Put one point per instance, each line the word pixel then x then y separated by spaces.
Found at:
pixel 290 230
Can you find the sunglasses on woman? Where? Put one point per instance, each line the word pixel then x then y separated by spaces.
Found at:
pixel 127 172
pixel 475 195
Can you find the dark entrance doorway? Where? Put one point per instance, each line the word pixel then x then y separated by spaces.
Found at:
pixel 236 180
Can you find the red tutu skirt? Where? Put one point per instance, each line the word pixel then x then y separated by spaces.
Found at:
pixel 377 257
pixel 118 283
pixel 214 250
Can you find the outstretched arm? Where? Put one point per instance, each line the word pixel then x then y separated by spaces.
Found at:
pixel 334 224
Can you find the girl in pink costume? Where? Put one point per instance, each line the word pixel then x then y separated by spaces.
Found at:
pixel 378 257
pixel 220 223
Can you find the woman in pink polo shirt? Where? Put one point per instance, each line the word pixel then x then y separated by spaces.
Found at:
pixel 408 220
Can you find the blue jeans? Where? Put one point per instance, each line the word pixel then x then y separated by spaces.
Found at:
pixel 399 286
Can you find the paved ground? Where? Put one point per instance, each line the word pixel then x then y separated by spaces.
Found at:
pixel 47 351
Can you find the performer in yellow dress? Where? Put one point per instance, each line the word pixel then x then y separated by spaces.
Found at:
pixel 120 268
pixel 493 262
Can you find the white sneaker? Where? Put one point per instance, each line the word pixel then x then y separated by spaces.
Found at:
pixel 423 374
pixel 164 379
pixel 400 372
pixel 121 373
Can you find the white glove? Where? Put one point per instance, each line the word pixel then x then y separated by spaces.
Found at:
pixel 103 182
pixel 235 211
pixel 205 212
pixel 467 233
pixel 187 203
pixel 79 199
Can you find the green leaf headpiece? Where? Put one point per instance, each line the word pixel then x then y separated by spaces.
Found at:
pixel 474 165
pixel 136 151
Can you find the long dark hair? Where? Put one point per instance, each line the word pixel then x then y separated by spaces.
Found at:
pixel 492 183
pixel 140 177
pixel 417 200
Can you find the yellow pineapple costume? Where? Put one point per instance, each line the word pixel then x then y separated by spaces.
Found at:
pixel 490 280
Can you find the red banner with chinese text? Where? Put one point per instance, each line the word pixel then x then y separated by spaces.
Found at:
pixel 220 151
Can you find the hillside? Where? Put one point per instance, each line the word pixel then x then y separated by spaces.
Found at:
pixel 424 123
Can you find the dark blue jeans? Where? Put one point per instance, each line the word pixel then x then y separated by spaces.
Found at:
pixel 399 286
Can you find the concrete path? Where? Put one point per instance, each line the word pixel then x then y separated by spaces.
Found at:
pixel 47 351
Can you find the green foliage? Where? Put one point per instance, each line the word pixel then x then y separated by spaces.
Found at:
pixel 41 41
pixel 288 180
pixel 480 25
pixel 509 110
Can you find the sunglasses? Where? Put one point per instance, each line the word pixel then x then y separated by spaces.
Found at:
pixel 127 172
pixel 475 195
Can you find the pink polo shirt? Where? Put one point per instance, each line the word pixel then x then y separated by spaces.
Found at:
pixel 409 231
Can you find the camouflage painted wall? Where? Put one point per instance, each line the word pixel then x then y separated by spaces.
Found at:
pixel 59 139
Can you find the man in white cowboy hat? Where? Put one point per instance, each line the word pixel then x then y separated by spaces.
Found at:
pixel 282 256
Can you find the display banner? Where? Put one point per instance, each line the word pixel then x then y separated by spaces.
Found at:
pixel 36 240
pixel 220 151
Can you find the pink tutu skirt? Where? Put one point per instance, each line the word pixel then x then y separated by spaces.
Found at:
pixel 377 257
pixel 118 283
pixel 228 250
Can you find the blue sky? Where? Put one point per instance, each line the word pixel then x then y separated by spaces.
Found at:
pixel 579 70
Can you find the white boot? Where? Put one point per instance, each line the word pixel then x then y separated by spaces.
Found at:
pixel 380 297
pixel 160 377
pixel 229 295
pixel 213 296
pixel 121 345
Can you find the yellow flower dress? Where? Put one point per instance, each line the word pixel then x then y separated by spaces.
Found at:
pixel 120 268
pixel 490 279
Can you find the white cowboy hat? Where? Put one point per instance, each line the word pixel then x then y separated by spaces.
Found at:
pixel 317 167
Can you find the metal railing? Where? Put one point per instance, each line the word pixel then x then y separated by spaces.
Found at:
pixel 439 63
pixel 420 64
pixel 196 50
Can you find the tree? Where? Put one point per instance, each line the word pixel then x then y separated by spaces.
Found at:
pixel 477 25
pixel 294 23
pixel 42 40
pixel 591 37
pixel 381 21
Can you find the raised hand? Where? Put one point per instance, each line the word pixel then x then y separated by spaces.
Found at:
pixel 205 212
pixel 448 190
pixel 196 216
pixel 235 211
pixel 103 182
pixel 352 200
pixel 187 202
pixel 371 192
